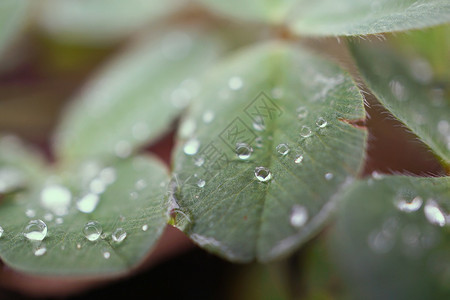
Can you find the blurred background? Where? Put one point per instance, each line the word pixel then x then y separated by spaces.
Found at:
pixel 54 48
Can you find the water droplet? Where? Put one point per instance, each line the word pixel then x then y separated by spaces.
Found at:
pixel 298 159
pixel 39 251
pixel 119 235
pixel 398 89
pixel 30 213
pixel 59 221
pixel 299 216
pixel 187 128
pixel 434 214
pixel 140 184
pixel 104 235
pixel 208 116
pixel 1 231
pixel 380 241
pixel 258 123
pixel 134 195
pixel 243 150
pixel 305 131
pixel 92 230
pixel 88 203
pixel 97 186
pixel 191 147
pixel 78 246
pixel 140 131
pixel 302 112
pixel 329 176
pixel 36 230
pixel 283 149
pixel 258 142
pixel 235 83
pixel 201 183
pixel 199 161
pixel 144 227
pixel 108 175
pixel 377 175
pixel 122 149
pixel 48 217
pixel 263 174
pixel 106 255
pixel 10 179
pixel 407 202
pixel 321 122
pixel 57 199
pixel 277 93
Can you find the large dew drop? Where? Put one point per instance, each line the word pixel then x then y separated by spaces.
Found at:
pixel 299 216
pixel 434 214
pixel 88 203
pixel 119 235
pixel 92 230
pixel 56 198
pixel 191 147
pixel 243 151
pixel 263 174
pixel 36 230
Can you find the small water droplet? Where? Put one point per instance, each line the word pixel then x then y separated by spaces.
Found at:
pixel 134 195
pixel 140 184
pixel 59 221
pixel 39 251
pixel 191 147
pixel 201 183
pixel 208 116
pixel 122 149
pixel 88 203
pixel 302 112
pixel 329 176
pixel 1 231
pixel 263 174
pixel 30 213
pixel 277 93
pixel 377 176
pixel 235 83
pixel 140 131
pixel 119 235
pixel 48 217
pixel 36 230
pixel 97 186
pixel 434 214
pixel 92 230
pixel 144 227
pixel 305 131
pixel 187 128
pixel 106 255
pixel 108 175
pixel 78 246
pixel 56 198
pixel 258 123
pixel 321 122
pixel 243 150
pixel 398 89
pixel 199 161
pixel 299 216
pixel 407 202
pixel 283 149
pixel 298 159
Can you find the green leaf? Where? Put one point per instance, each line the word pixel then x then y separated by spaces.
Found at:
pixel 20 165
pixel 12 19
pixel 357 17
pixel 268 86
pixel 137 96
pixel 410 93
pixel 134 198
pixel 273 11
pixel 100 22
pixel 390 240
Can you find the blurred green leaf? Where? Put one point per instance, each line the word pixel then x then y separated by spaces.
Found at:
pixel 358 17
pixel 266 96
pixel 133 199
pixel 392 238
pixel 408 90
pixel 20 166
pixel 134 99
pixel 273 11
pixel 12 19
pixel 100 22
